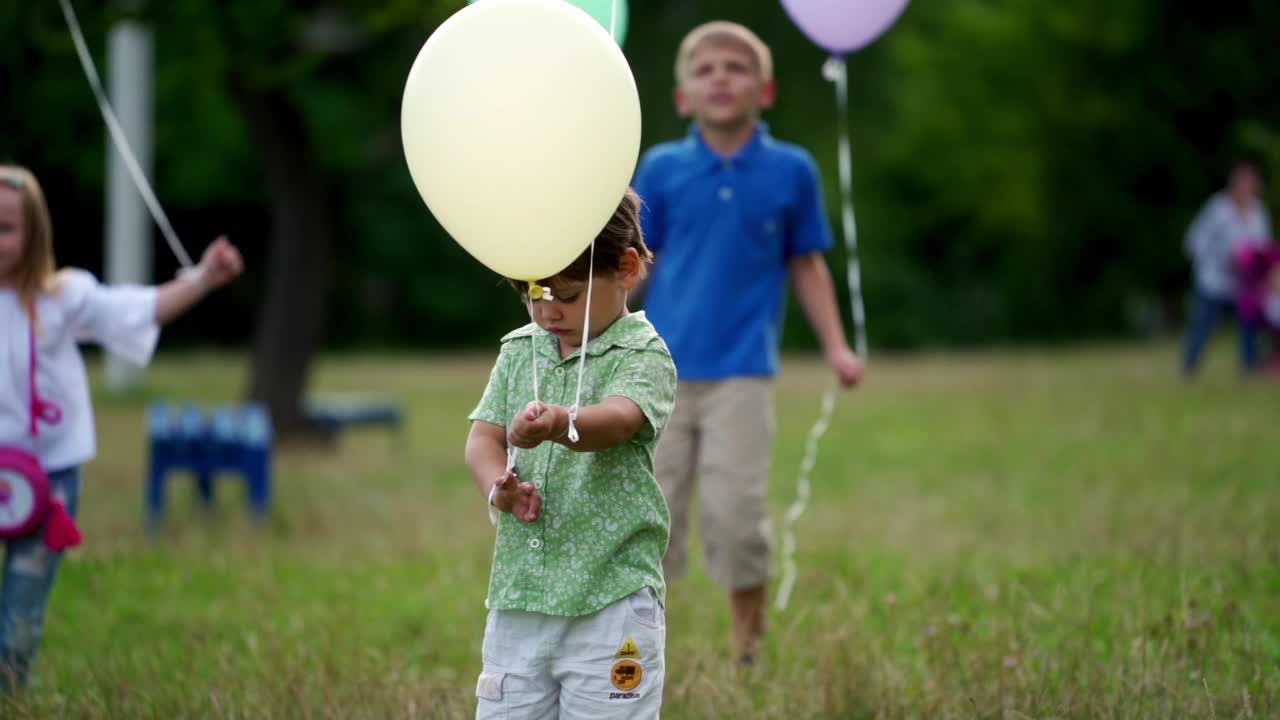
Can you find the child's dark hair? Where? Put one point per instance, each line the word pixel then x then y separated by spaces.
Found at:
pixel 622 232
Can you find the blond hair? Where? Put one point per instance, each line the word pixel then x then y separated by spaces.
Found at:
pixel 35 270
pixel 723 31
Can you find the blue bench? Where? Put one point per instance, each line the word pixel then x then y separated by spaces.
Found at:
pixel 334 412
pixel 230 439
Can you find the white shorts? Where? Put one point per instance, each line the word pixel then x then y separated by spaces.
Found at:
pixel 610 664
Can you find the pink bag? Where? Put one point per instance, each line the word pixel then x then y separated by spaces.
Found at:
pixel 26 501
pixel 24 493
pixel 1254 264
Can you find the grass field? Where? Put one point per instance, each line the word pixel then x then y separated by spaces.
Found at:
pixel 997 535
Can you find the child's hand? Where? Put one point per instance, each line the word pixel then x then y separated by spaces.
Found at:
pixel 847 365
pixel 538 423
pixel 221 263
pixel 519 499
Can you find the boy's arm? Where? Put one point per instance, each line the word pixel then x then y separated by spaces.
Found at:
pixel 638 400
pixel 812 282
pixel 220 263
pixel 605 425
pixel 486 455
pixel 808 236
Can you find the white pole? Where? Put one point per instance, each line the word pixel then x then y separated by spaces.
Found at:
pixel 128 253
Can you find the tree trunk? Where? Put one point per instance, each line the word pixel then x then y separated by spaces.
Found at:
pixel 299 262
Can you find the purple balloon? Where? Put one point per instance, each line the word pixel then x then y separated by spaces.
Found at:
pixel 844 26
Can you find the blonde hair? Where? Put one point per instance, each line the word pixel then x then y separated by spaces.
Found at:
pixel 723 31
pixel 35 270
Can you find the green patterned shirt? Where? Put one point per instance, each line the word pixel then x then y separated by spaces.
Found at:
pixel 604 524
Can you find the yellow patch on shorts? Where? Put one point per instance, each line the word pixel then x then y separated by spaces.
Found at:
pixel 629 649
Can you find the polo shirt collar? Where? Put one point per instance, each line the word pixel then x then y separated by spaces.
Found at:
pixel 743 158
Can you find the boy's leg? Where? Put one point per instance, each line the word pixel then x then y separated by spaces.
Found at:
pixel 516 679
pixel 29 571
pixel 1204 316
pixel 737 446
pixel 612 664
pixel 675 466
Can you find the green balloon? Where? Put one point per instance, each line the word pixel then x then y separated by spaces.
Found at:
pixel 602 11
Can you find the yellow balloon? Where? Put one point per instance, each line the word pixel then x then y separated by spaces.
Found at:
pixel 521 128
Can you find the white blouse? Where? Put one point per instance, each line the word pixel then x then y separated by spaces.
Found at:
pixel 122 319
pixel 1215 235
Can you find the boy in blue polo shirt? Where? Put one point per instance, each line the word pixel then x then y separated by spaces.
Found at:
pixel 730 214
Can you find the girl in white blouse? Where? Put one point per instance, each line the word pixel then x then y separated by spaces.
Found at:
pixel 45 408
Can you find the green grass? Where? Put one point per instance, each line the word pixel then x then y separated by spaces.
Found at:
pixel 997 535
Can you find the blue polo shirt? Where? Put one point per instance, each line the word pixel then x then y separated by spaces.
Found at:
pixel 723 231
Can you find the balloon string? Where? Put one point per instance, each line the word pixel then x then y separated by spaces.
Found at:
pixel 586 338
pixel 533 364
pixel 121 140
pixel 802 498
pixel 533 350
pixel 837 71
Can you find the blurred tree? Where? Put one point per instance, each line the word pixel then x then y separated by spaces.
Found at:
pixel 258 99
pixel 290 67
pixel 1039 162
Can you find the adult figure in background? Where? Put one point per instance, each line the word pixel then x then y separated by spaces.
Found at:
pixel 1230 219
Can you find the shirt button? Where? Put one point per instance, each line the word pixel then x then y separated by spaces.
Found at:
pixel 726 193
pixel 559 371
pixel 535 543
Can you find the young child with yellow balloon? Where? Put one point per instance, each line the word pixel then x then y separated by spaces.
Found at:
pixel 533 182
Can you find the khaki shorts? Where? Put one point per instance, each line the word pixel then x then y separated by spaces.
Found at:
pixel 719 441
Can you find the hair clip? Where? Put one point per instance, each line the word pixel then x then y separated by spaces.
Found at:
pixel 539 292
